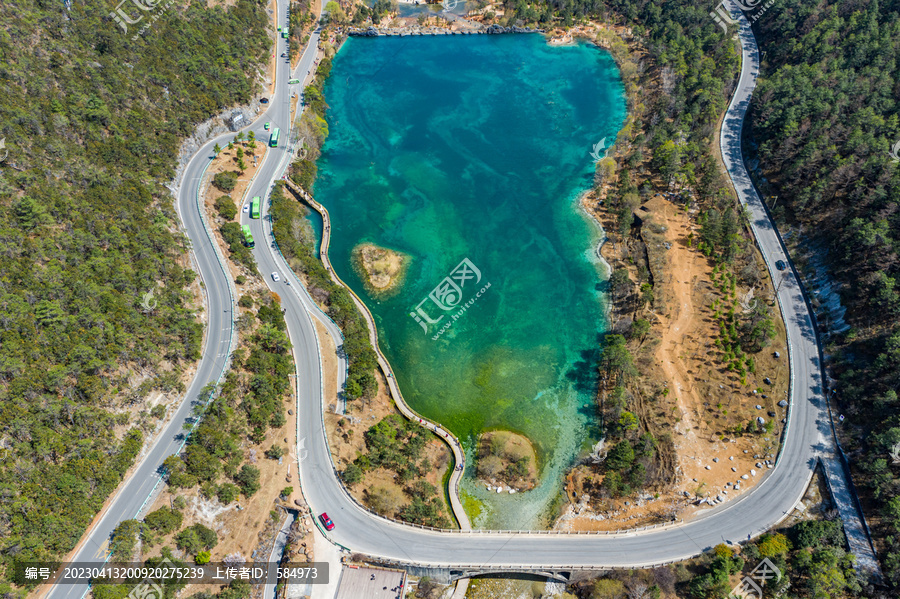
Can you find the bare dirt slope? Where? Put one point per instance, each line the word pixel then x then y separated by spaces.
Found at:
pixel 702 403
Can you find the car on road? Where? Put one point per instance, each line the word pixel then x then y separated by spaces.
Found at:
pixel 326 521
pixel 263 100
pixel 780 265
pixel 284 54
pixel 276 277
pixel 267 125
pixel 246 208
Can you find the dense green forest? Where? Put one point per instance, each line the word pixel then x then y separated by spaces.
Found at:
pixel 93 121
pixel 823 121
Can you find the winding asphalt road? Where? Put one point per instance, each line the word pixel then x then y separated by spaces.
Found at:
pixel 748 515
pixel 134 494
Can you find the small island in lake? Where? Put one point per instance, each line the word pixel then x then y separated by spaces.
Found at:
pixel 506 461
pixel 381 269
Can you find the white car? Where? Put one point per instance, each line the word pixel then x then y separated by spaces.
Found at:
pixel 275 277
pixel 246 208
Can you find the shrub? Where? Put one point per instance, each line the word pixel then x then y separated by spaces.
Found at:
pixel 226 208
pixel 620 456
pixel 771 545
pixel 196 538
pixel 489 466
pixel 815 533
pixel 352 474
pixel 226 181
pixel 384 500
pixel 607 588
pixel 275 452
pixel 164 520
pixel 227 493
pixel 124 540
pixel 248 479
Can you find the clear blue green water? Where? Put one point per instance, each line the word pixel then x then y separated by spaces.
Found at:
pixel 477 148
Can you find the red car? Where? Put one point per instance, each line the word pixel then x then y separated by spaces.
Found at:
pixel 326 521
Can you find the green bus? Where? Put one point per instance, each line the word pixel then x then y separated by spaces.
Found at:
pixel 254 207
pixel 273 139
pixel 284 33
pixel 248 237
pixel 293 81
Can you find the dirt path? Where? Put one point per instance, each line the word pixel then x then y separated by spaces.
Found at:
pixel 706 459
pixel 682 322
pixel 703 402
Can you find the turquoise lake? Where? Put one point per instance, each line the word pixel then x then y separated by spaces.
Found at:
pixel 469 154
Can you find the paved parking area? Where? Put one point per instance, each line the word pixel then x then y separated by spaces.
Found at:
pixel 371 583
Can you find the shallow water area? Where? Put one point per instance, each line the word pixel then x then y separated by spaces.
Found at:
pixel 468 155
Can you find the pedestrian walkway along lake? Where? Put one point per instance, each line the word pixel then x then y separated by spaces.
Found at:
pixel 468 155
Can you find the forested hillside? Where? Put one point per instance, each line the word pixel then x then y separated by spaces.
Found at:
pixel 93 121
pixel 825 117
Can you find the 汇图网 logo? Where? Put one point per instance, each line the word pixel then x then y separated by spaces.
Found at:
pixel 748 302
pixel 299 453
pixel 722 17
pixel 750 586
pixel 448 296
pixel 895 453
pixel 149 588
pixel 124 19
pixel 598 147
pixel 895 151
pixel 747 5
pixel 148 302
